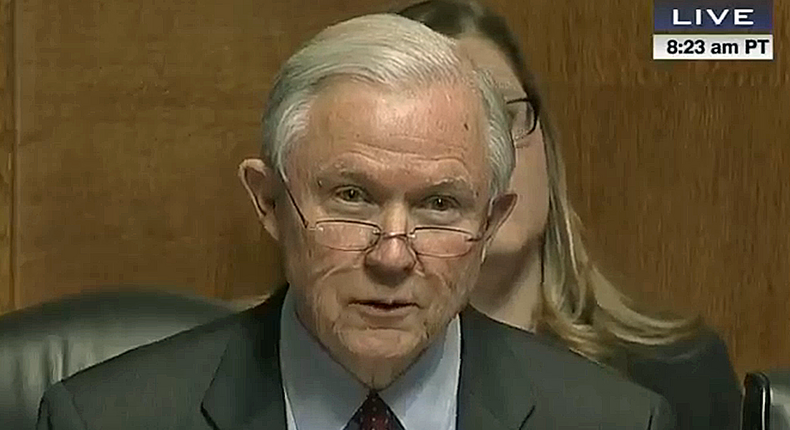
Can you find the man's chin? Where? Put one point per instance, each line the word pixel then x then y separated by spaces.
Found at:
pixel 380 343
pixel 378 356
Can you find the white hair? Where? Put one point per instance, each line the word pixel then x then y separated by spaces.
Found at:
pixel 386 50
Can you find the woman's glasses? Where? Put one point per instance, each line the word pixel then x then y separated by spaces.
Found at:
pixel 524 116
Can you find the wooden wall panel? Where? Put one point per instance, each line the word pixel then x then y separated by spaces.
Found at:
pixel 706 197
pixel 134 116
pixel 7 144
pixel 679 169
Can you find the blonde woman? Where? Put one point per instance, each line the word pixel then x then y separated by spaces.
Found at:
pixel 537 275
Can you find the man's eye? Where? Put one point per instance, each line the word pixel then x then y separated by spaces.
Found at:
pixel 441 203
pixel 350 194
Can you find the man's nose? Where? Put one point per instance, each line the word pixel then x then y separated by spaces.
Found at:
pixel 392 258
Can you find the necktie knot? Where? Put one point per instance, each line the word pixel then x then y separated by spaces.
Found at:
pixel 374 414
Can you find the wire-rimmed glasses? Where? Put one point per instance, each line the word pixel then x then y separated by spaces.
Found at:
pixel 355 235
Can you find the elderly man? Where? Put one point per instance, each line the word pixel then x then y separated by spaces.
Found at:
pixel 385 166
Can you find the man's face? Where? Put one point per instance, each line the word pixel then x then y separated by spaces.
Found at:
pixel 399 160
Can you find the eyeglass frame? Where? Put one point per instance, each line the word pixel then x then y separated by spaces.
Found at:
pixel 382 235
pixel 535 105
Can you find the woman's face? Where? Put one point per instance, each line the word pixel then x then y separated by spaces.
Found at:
pixel 525 226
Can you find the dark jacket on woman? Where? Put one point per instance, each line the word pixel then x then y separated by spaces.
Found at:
pixel 696 377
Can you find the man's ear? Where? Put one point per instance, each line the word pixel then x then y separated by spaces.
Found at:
pixel 501 208
pixel 263 186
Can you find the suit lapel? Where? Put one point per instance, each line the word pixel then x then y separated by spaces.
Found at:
pixel 246 391
pixel 494 392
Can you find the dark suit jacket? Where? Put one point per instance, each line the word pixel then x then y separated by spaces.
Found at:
pixel 696 377
pixel 226 375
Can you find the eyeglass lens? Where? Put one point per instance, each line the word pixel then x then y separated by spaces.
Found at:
pixel 347 236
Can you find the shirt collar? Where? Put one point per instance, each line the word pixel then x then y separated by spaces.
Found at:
pixel 321 394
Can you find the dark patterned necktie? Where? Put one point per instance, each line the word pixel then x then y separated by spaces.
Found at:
pixel 374 414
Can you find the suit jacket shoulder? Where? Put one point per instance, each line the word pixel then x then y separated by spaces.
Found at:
pixel 170 384
pixel 566 390
pixel 696 377
pixel 225 375
pixel 164 376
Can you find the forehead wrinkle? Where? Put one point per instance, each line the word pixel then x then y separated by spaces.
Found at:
pixel 462 159
pixel 424 143
pixel 387 113
pixel 346 165
pixel 390 134
pixel 346 159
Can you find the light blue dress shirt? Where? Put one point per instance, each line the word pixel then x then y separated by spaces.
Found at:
pixel 321 395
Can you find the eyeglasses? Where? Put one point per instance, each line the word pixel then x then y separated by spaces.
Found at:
pixel 524 115
pixel 354 235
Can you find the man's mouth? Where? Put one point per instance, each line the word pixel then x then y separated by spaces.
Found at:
pixel 384 307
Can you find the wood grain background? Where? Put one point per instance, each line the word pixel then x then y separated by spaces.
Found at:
pixel 8 137
pixel 133 116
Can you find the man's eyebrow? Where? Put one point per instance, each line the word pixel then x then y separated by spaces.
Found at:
pixel 353 175
pixel 455 186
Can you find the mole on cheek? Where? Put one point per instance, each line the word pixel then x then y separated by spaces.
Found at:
pixel 466 126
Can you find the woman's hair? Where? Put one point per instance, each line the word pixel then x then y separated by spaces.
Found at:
pixel 386 50
pixel 578 303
